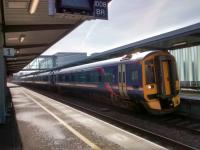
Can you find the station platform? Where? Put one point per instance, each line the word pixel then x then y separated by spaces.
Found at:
pixel 190 104
pixel 190 96
pixel 44 123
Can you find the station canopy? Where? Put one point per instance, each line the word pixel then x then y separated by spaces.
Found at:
pixel 31 33
pixel 180 38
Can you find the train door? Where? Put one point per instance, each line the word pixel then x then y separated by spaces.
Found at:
pixel 166 77
pixel 122 80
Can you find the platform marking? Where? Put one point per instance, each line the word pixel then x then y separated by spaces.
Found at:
pixel 79 135
pixel 94 118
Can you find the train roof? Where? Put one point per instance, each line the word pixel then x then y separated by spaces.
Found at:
pixel 128 58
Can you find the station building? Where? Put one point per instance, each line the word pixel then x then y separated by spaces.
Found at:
pixel 66 58
pixel 188 66
pixel 45 62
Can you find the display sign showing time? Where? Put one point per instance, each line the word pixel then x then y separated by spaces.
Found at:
pixel 101 9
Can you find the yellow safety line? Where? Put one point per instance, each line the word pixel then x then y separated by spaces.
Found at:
pixel 80 136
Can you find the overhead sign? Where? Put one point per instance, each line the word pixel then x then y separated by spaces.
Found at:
pixel 91 8
pixel 9 52
pixel 83 7
pixel 101 9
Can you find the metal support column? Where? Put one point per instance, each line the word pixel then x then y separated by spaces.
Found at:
pixel 2 83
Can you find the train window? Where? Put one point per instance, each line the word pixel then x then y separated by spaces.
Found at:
pixel 72 77
pixel 61 77
pixel 109 74
pixel 44 78
pixel 94 76
pixel 76 77
pixel 113 78
pixel 108 77
pixel 66 78
pixel 134 75
pixel 82 77
pixel 100 78
pixel 149 68
pixel 120 77
pixel 124 78
pixel 88 79
pixel 91 76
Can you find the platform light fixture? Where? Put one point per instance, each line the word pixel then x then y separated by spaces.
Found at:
pixel 179 44
pixel 17 4
pixel 21 38
pixel 17 51
pixel 33 6
pixel 12 38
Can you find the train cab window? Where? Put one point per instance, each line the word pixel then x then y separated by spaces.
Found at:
pixel 149 68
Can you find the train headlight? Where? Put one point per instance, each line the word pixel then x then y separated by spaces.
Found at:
pixel 150 86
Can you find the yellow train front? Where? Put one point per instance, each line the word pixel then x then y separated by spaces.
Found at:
pixel 160 83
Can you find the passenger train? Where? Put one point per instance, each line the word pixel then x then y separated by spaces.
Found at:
pixel 146 78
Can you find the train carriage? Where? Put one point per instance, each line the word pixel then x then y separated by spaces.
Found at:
pixel 146 78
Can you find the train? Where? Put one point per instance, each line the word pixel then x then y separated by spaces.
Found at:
pixel 146 79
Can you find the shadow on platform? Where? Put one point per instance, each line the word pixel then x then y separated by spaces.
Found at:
pixel 9 133
pixel 14 86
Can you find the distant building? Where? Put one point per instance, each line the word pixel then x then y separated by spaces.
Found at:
pixel 188 65
pixel 44 62
pixel 66 58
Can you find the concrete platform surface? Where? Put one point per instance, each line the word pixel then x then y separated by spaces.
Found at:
pixel 9 135
pixel 190 104
pixel 47 124
pixel 190 96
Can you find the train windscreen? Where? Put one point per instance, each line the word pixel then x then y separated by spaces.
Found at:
pixel 150 76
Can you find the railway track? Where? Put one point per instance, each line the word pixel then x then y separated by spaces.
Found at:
pixel 178 121
pixel 167 142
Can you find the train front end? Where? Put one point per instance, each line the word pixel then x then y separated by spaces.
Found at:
pixel 160 83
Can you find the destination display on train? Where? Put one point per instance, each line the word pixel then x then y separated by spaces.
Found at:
pixel 101 9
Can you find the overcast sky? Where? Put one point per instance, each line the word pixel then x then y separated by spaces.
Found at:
pixel 129 21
